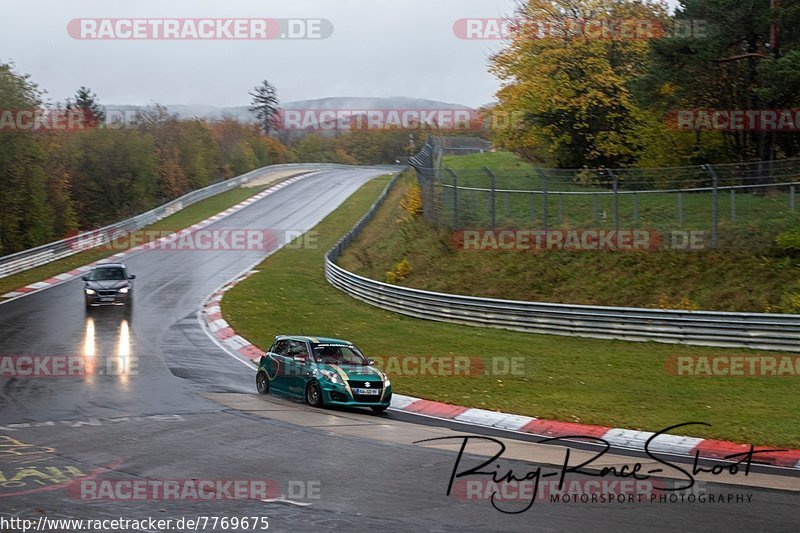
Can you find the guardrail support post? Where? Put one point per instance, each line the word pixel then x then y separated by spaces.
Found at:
pixel 791 198
pixel 635 207
pixel 714 204
pixel 492 197
pixel 455 196
pixel 596 208
pixel 733 204
pixel 561 208
pixel 680 208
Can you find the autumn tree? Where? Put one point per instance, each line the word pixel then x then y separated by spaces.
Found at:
pixel 571 90
pixel 26 216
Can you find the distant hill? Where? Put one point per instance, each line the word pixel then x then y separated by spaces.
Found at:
pixel 242 114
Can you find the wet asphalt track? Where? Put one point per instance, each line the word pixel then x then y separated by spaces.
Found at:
pixel 157 422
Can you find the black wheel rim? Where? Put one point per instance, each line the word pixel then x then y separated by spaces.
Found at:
pixel 313 395
pixel 262 383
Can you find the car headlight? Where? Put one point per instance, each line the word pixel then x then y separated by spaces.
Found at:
pixel 387 383
pixel 124 290
pixel 89 291
pixel 333 377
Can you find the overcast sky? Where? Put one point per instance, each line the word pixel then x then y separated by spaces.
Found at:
pixel 378 48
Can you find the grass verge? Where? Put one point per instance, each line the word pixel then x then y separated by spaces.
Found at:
pixel 182 219
pixel 614 383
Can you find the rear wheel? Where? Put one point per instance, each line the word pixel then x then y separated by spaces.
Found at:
pixel 262 383
pixel 314 395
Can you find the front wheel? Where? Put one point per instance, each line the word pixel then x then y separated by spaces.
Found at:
pixel 262 383
pixel 314 395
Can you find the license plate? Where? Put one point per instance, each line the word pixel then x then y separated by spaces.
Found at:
pixel 107 299
pixel 368 392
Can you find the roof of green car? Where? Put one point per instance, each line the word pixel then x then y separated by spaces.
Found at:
pixel 314 340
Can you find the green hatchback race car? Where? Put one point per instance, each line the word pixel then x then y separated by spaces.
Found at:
pixel 323 372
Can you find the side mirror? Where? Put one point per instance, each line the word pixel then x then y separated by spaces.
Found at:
pixel 370 362
pixel 85 278
pixel 132 276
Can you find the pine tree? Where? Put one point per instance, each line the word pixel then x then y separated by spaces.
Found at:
pixel 266 106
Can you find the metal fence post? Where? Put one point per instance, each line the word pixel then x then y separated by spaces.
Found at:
pixel 532 201
pixel 561 208
pixel 544 198
pixel 492 199
pixel 615 189
pixel 596 208
pixel 791 198
pixel 733 204
pixel 506 206
pixel 455 196
pixel 635 207
pixel 680 208
pixel 714 204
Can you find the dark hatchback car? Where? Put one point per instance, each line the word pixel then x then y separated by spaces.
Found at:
pixel 108 284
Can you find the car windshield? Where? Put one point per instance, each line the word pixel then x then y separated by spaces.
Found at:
pixel 338 354
pixel 107 274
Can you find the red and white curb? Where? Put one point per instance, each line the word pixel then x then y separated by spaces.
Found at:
pixel 221 331
pixel 629 439
pixel 80 271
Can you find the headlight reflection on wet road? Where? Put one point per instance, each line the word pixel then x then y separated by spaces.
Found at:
pixel 111 363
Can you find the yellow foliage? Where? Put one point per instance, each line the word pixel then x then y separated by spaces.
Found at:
pixel 401 270
pixel 412 201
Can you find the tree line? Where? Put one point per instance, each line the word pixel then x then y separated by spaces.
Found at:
pixel 54 183
pixel 610 101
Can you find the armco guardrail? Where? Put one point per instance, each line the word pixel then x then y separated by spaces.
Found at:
pixel 26 259
pixel 703 328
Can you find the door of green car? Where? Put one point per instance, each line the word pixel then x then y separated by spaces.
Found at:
pixel 276 366
pixel 296 358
